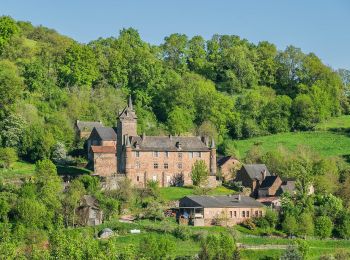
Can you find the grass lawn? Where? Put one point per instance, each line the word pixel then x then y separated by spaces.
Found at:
pixel 19 169
pixel 71 170
pixel 176 193
pixel 23 169
pixel 327 143
pixel 341 122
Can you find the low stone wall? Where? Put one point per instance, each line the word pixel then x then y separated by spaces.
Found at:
pixel 112 182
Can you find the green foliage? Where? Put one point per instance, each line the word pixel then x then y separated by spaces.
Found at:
pixel 156 248
pixel 218 247
pixel 11 86
pixel 303 247
pixel 8 156
pixel 323 226
pixel 199 173
pixel 154 210
pixel 12 130
pixel 79 66
pixel 306 224
pixel 292 253
pixel 8 29
pixel 182 232
pixel 329 205
pixel 290 225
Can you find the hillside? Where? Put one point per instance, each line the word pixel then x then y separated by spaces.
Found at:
pixel 330 139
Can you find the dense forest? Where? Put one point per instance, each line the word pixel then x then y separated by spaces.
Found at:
pixel 225 87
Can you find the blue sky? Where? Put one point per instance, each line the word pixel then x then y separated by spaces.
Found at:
pixel 319 26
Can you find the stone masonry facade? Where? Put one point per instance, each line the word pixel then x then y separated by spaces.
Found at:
pixel 166 159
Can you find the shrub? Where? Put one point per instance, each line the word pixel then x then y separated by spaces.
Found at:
pixel 8 156
pixel 199 173
pixel 248 223
pixel 262 222
pixel 182 233
pixel 289 225
pixel 323 226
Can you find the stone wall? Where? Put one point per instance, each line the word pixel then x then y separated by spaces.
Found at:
pixel 105 164
pixel 163 167
pixel 229 167
pixel 230 216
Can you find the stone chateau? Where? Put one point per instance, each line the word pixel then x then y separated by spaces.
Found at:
pixel 166 159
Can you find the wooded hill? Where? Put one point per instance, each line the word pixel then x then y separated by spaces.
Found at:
pixel 226 87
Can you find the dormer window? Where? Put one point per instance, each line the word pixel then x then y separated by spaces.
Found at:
pixel 137 145
pixel 178 145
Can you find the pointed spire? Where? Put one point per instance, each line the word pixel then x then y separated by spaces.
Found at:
pixel 130 103
pixel 212 143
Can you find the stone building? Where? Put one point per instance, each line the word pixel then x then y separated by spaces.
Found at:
pixel 89 212
pixel 228 166
pixel 101 136
pixel 269 186
pixel 219 210
pixel 166 159
pixel 251 176
pixel 104 160
pixel 83 128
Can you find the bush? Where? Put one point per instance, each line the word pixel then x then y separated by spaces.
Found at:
pixel 8 156
pixel 182 233
pixel 323 227
pixel 248 223
pixel 262 223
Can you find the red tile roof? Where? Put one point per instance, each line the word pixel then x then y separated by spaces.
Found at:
pixel 102 149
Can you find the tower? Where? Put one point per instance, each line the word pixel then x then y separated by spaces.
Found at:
pixel 126 126
pixel 212 158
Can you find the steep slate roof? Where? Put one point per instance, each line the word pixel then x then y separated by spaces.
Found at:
pixel 224 159
pixel 106 133
pixel 288 186
pixel 229 201
pixel 168 143
pixel 102 149
pixel 268 182
pixel 87 125
pixel 254 170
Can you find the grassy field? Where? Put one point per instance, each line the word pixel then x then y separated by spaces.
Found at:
pixel 332 138
pixel 176 193
pixel 19 169
pixel 325 142
pixel 341 122
pixel 25 169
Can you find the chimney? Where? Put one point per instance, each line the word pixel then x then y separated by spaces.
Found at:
pixel 239 197
pixel 263 175
pixel 143 136
pixel 170 137
pixel 212 143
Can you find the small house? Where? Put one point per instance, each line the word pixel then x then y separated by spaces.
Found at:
pixel 89 212
pixel 227 166
pixel 219 210
pixel 252 176
pixel 269 186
